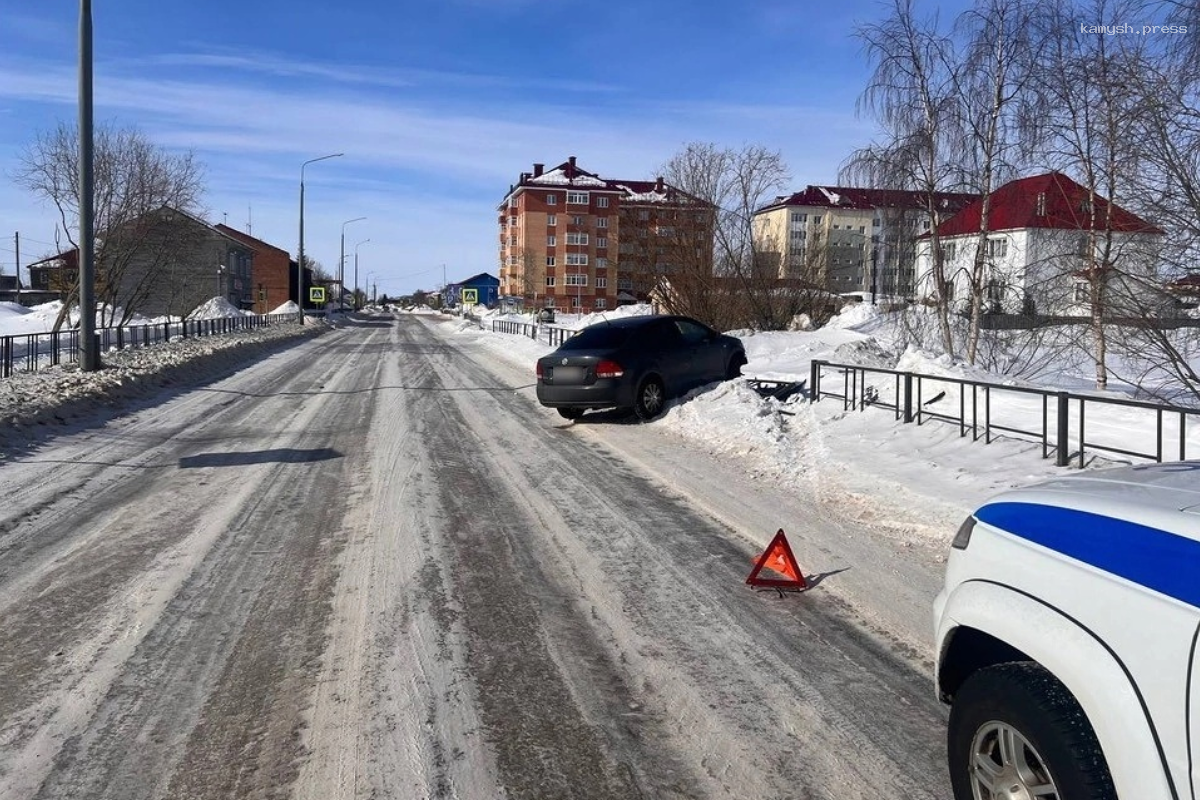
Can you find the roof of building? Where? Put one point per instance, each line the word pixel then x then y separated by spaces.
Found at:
pixel 858 198
pixel 482 277
pixel 571 175
pixel 247 239
pixel 1051 201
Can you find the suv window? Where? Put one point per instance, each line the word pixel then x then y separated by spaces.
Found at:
pixel 692 332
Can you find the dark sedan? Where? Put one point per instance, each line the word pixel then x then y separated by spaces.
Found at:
pixel 635 363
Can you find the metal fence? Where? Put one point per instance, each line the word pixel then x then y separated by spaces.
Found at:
pixel 1056 419
pixel 30 352
pixel 553 335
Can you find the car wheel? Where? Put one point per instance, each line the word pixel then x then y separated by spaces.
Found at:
pixel 570 413
pixel 1015 731
pixel 735 367
pixel 651 396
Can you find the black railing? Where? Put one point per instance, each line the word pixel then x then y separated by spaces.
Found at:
pixel 1062 417
pixel 554 335
pixel 29 352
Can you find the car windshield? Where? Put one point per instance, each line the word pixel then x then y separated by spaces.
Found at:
pixel 597 337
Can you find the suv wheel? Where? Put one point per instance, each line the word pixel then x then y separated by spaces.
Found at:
pixel 1015 731
pixel 651 395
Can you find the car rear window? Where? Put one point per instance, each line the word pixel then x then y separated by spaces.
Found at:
pixel 597 337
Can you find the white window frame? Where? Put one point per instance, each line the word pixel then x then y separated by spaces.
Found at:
pixel 577 259
pixel 601 282
pixel 576 302
pixel 601 263
pixel 549 261
pixel 997 247
pixel 601 302
pixel 550 280
pixel 601 222
pixel 551 220
pixel 602 241
pixel 601 202
pixel 551 199
pixel 575 279
pixel 577 237
pixel 577 198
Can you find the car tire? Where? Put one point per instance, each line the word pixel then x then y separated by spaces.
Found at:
pixel 734 370
pixel 1048 739
pixel 650 399
pixel 570 413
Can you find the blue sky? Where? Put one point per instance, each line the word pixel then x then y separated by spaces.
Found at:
pixel 438 106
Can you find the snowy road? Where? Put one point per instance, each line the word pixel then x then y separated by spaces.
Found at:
pixel 373 566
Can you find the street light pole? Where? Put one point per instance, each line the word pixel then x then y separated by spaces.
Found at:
pixel 89 353
pixel 300 262
pixel 364 241
pixel 342 263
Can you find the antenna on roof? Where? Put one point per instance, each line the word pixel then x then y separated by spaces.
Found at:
pixel 249 219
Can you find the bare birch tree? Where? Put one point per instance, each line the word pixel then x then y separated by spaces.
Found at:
pixel 132 178
pixel 911 94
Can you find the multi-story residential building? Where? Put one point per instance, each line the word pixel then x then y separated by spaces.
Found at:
pixel 1049 243
pixel 163 262
pixel 848 239
pixel 273 279
pixel 570 239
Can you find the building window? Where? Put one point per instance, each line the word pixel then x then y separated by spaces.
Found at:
pixel 601 202
pixel 643 214
pixel 601 302
pixel 862 228
pixel 577 198
pixel 576 279
pixel 997 248
pixel 549 280
pixel 549 261
pixel 601 263
pixel 798 217
pixel 1083 293
pixel 551 220
pixel 949 250
pixel 625 284
pixel 577 238
pixel 551 241
pixel 601 283
pixel 512 222
pixel 601 222
pixel 816 219
pixel 601 241
pixel 576 302
pixel 551 199
pixel 577 259
pixel 577 220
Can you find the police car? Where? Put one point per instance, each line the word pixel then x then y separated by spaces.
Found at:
pixel 1067 640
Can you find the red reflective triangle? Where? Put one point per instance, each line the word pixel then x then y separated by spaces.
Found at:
pixel 778 558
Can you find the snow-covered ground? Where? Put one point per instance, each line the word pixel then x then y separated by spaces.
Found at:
pixel 787 442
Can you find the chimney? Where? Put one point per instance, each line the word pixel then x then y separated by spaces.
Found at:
pixel 524 177
pixel 537 170
pixel 571 167
pixel 658 185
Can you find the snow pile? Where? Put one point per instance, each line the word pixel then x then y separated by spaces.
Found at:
pixel 289 307
pixel 855 315
pixel 217 308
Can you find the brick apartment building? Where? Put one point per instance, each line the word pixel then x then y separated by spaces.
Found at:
pixel 572 240
pixel 850 239
pixel 273 278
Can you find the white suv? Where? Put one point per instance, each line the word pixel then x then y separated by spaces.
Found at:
pixel 1067 640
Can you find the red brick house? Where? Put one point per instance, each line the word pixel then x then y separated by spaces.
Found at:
pixel 271 281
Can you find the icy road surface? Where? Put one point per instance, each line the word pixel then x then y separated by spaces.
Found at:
pixel 371 566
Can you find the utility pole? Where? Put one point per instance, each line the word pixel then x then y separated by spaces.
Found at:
pixel 89 351
pixel 17 239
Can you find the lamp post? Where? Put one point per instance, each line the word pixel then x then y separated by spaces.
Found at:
pixel 89 352
pixel 342 262
pixel 364 241
pixel 221 281
pixel 300 262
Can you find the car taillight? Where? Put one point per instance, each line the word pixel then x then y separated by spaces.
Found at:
pixel 540 372
pixel 609 369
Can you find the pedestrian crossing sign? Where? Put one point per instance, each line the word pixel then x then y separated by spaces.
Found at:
pixel 316 294
pixel 470 296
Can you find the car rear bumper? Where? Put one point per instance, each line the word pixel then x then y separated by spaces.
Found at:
pixel 601 394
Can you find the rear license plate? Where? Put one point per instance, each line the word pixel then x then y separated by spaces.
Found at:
pixel 569 375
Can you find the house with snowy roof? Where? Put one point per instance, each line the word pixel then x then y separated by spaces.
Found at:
pixel 1049 244
pixel 850 239
pixel 571 239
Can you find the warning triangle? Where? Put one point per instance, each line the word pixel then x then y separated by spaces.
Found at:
pixel 778 558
